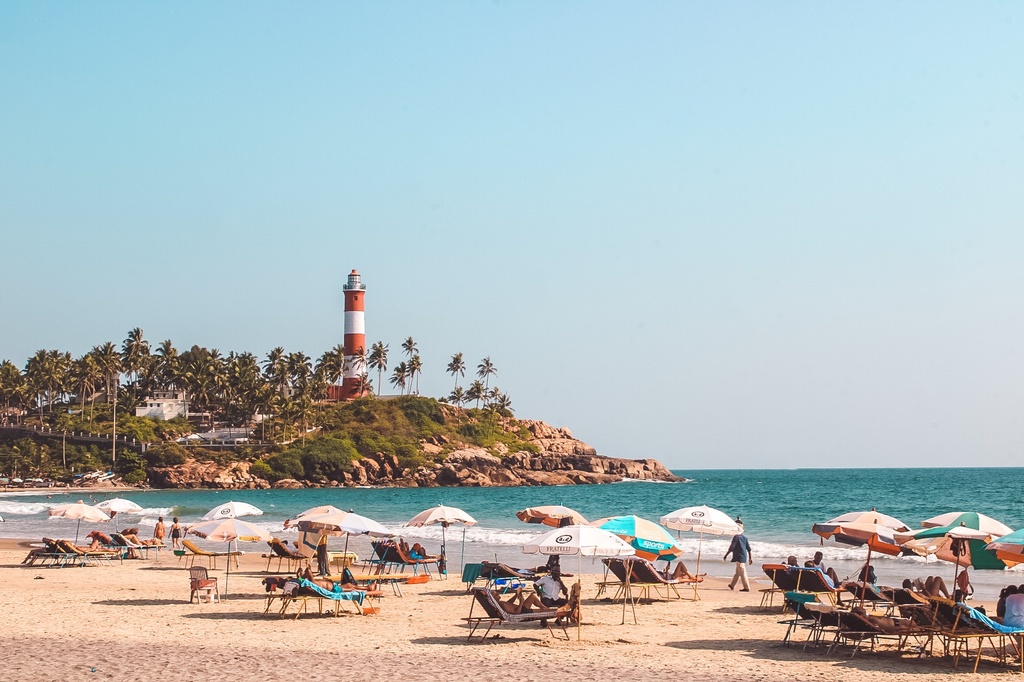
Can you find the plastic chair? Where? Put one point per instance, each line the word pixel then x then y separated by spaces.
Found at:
pixel 201 583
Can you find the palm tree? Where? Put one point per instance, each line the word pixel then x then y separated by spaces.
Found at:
pixel 275 368
pixel 409 346
pixel 457 397
pixel 476 392
pixel 165 371
pixel 415 369
pixel 457 368
pixel 135 354
pixel 399 376
pixel 109 361
pixel 12 386
pixel 485 369
pixel 378 360
pixel 86 374
pixel 300 370
pixel 365 386
pixel 331 364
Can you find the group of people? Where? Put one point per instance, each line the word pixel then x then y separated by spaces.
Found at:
pixel 1010 607
pixel 548 594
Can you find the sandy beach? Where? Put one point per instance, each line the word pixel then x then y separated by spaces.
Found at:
pixel 133 619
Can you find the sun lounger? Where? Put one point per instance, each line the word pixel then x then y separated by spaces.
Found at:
pixel 800 579
pixel 75 555
pixel 856 629
pixel 495 613
pixel 645 574
pixel 308 590
pixel 470 574
pixel 513 577
pixel 879 597
pixel 389 555
pixel 195 552
pixel 133 550
pixel 972 626
pixel 280 551
pixel 782 582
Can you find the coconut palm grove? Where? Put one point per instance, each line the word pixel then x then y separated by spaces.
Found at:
pixel 59 414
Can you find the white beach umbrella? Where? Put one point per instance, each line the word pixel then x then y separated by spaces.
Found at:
pixel 118 505
pixel 702 520
pixel 79 511
pixel 581 541
pixel 445 516
pixel 230 510
pixel 313 511
pixel 229 530
pixel 342 523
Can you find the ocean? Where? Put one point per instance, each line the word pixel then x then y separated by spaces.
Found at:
pixel 777 508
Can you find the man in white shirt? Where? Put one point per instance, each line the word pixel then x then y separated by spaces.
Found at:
pixel 551 588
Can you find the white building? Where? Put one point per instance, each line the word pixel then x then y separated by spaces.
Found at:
pixel 164 405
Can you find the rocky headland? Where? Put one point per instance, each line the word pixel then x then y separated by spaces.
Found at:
pixel 560 459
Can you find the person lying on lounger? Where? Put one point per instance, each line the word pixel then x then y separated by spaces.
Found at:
pixel 370 590
pixel 884 623
pixel 680 573
pixel 39 552
pixel 520 603
pixel 132 535
pixel 933 586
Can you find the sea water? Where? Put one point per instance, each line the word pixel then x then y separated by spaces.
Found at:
pixel 778 508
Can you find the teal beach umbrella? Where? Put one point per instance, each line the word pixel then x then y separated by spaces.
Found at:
pixel 650 540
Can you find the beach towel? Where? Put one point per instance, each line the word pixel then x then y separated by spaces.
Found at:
pixel 998 627
pixel 336 594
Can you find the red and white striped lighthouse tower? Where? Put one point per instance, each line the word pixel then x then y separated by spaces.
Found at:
pixel 355 337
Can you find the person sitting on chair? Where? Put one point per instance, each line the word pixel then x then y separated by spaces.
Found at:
pixel 816 562
pixel 551 588
pixel 867 574
pixel 418 552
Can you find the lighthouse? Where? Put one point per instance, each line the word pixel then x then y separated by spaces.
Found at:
pixel 355 337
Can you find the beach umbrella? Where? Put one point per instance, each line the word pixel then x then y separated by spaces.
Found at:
pixel 551 515
pixel 581 541
pixel 961 542
pixel 342 523
pixel 79 511
pixel 702 520
pixel 876 530
pixel 230 510
pixel 651 541
pixel 973 520
pixel 313 511
pixel 229 530
pixel 445 516
pixel 1009 548
pixel 118 505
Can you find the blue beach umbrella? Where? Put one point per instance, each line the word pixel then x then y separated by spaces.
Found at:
pixel 651 541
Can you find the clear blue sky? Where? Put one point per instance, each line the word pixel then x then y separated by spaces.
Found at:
pixel 718 234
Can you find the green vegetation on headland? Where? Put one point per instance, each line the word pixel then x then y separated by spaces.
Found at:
pixel 295 433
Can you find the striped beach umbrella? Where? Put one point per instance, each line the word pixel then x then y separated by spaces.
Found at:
pixel 651 541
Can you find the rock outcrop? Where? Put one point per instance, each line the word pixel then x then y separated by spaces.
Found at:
pixel 197 474
pixel 560 460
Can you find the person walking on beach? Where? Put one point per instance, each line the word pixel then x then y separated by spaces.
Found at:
pixel 160 531
pixel 741 556
pixel 176 534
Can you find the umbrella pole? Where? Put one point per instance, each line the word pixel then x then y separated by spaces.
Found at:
pixel 227 574
pixel 700 545
pixel 444 554
pixel 579 605
pixel 77 528
pixel 864 577
pixel 463 547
